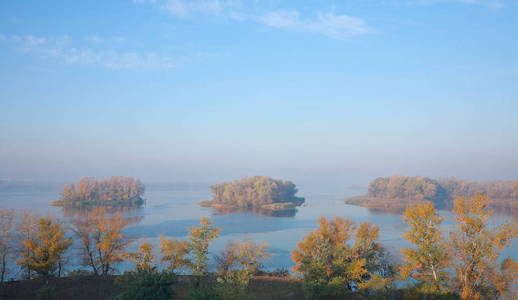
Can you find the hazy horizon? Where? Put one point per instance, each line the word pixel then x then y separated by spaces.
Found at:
pixel 323 93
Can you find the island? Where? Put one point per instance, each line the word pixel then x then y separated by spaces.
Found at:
pixel 257 194
pixel 395 193
pixel 116 192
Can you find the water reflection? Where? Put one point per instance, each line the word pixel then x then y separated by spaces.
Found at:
pixel 259 211
pixel 131 214
pixel 502 211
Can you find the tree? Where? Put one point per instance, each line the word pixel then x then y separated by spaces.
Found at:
pixel 476 247
pixel 254 192
pixel 174 253
pixel 380 268
pixel 6 239
pixel 45 252
pixel 102 241
pixel 26 230
pixel 199 240
pixel 143 257
pixel 427 261
pixel 326 261
pixel 237 264
pixel 117 191
pixel 507 280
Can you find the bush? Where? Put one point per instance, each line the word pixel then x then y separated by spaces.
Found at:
pixel 45 292
pixel 234 285
pixel 153 285
pixel 203 292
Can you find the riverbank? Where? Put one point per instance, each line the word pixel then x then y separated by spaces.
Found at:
pixel 95 287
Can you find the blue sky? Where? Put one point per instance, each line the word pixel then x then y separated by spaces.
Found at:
pixel 205 90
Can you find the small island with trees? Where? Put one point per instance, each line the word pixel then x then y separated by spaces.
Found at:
pixel 259 193
pixel 116 192
pixel 395 193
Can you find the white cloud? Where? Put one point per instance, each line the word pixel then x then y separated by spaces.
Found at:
pixel 487 3
pixel 328 24
pixel 331 25
pixel 64 50
pixel 184 8
pixel 95 39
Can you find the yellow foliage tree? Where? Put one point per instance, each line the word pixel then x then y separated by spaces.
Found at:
pixel 330 266
pixel 174 253
pixel 199 241
pixel 143 257
pixel 6 239
pixel 427 261
pixel 507 281
pixel 45 252
pixel 102 242
pixel 476 247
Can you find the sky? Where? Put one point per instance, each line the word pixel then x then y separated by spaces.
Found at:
pixel 325 92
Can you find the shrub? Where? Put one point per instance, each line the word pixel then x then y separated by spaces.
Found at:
pixel 147 285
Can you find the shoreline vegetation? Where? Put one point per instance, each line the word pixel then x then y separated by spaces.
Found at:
pixel 258 194
pixel 339 259
pixel 394 194
pixel 116 192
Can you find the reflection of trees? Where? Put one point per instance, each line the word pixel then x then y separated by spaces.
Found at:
pixel 504 210
pixel 129 213
pixel 499 210
pixel 259 211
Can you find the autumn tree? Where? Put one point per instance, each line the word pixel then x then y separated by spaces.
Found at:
pixel 328 264
pixel 45 252
pixel 143 257
pixel 227 259
pixel 507 280
pixel 427 260
pixel 199 241
pixel 174 254
pixel 237 264
pixel 6 239
pixel 146 281
pixel 476 247
pixel 102 242
pixel 26 230
pixel 255 191
pixel 117 191
pixel 378 262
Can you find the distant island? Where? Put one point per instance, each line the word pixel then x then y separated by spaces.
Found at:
pixel 117 191
pixel 259 193
pixel 395 193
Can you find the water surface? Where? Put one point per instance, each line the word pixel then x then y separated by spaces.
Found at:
pixel 171 209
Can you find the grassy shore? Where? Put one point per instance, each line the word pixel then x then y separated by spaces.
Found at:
pixel 94 287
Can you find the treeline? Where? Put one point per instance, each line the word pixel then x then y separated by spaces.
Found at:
pixel 396 192
pixel 255 191
pixel 117 191
pixel 338 260
pixel 496 190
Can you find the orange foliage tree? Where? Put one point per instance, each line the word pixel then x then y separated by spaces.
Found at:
pixel 329 265
pixel 428 260
pixel 476 247
pixel 45 252
pixel 6 239
pixel 102 241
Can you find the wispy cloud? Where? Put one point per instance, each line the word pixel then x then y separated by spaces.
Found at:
pixel 65 50
pixel 328 24
pixel 487 3
pixel 336 26
pixel 185 9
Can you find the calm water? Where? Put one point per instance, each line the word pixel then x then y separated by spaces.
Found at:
pixel 170 210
